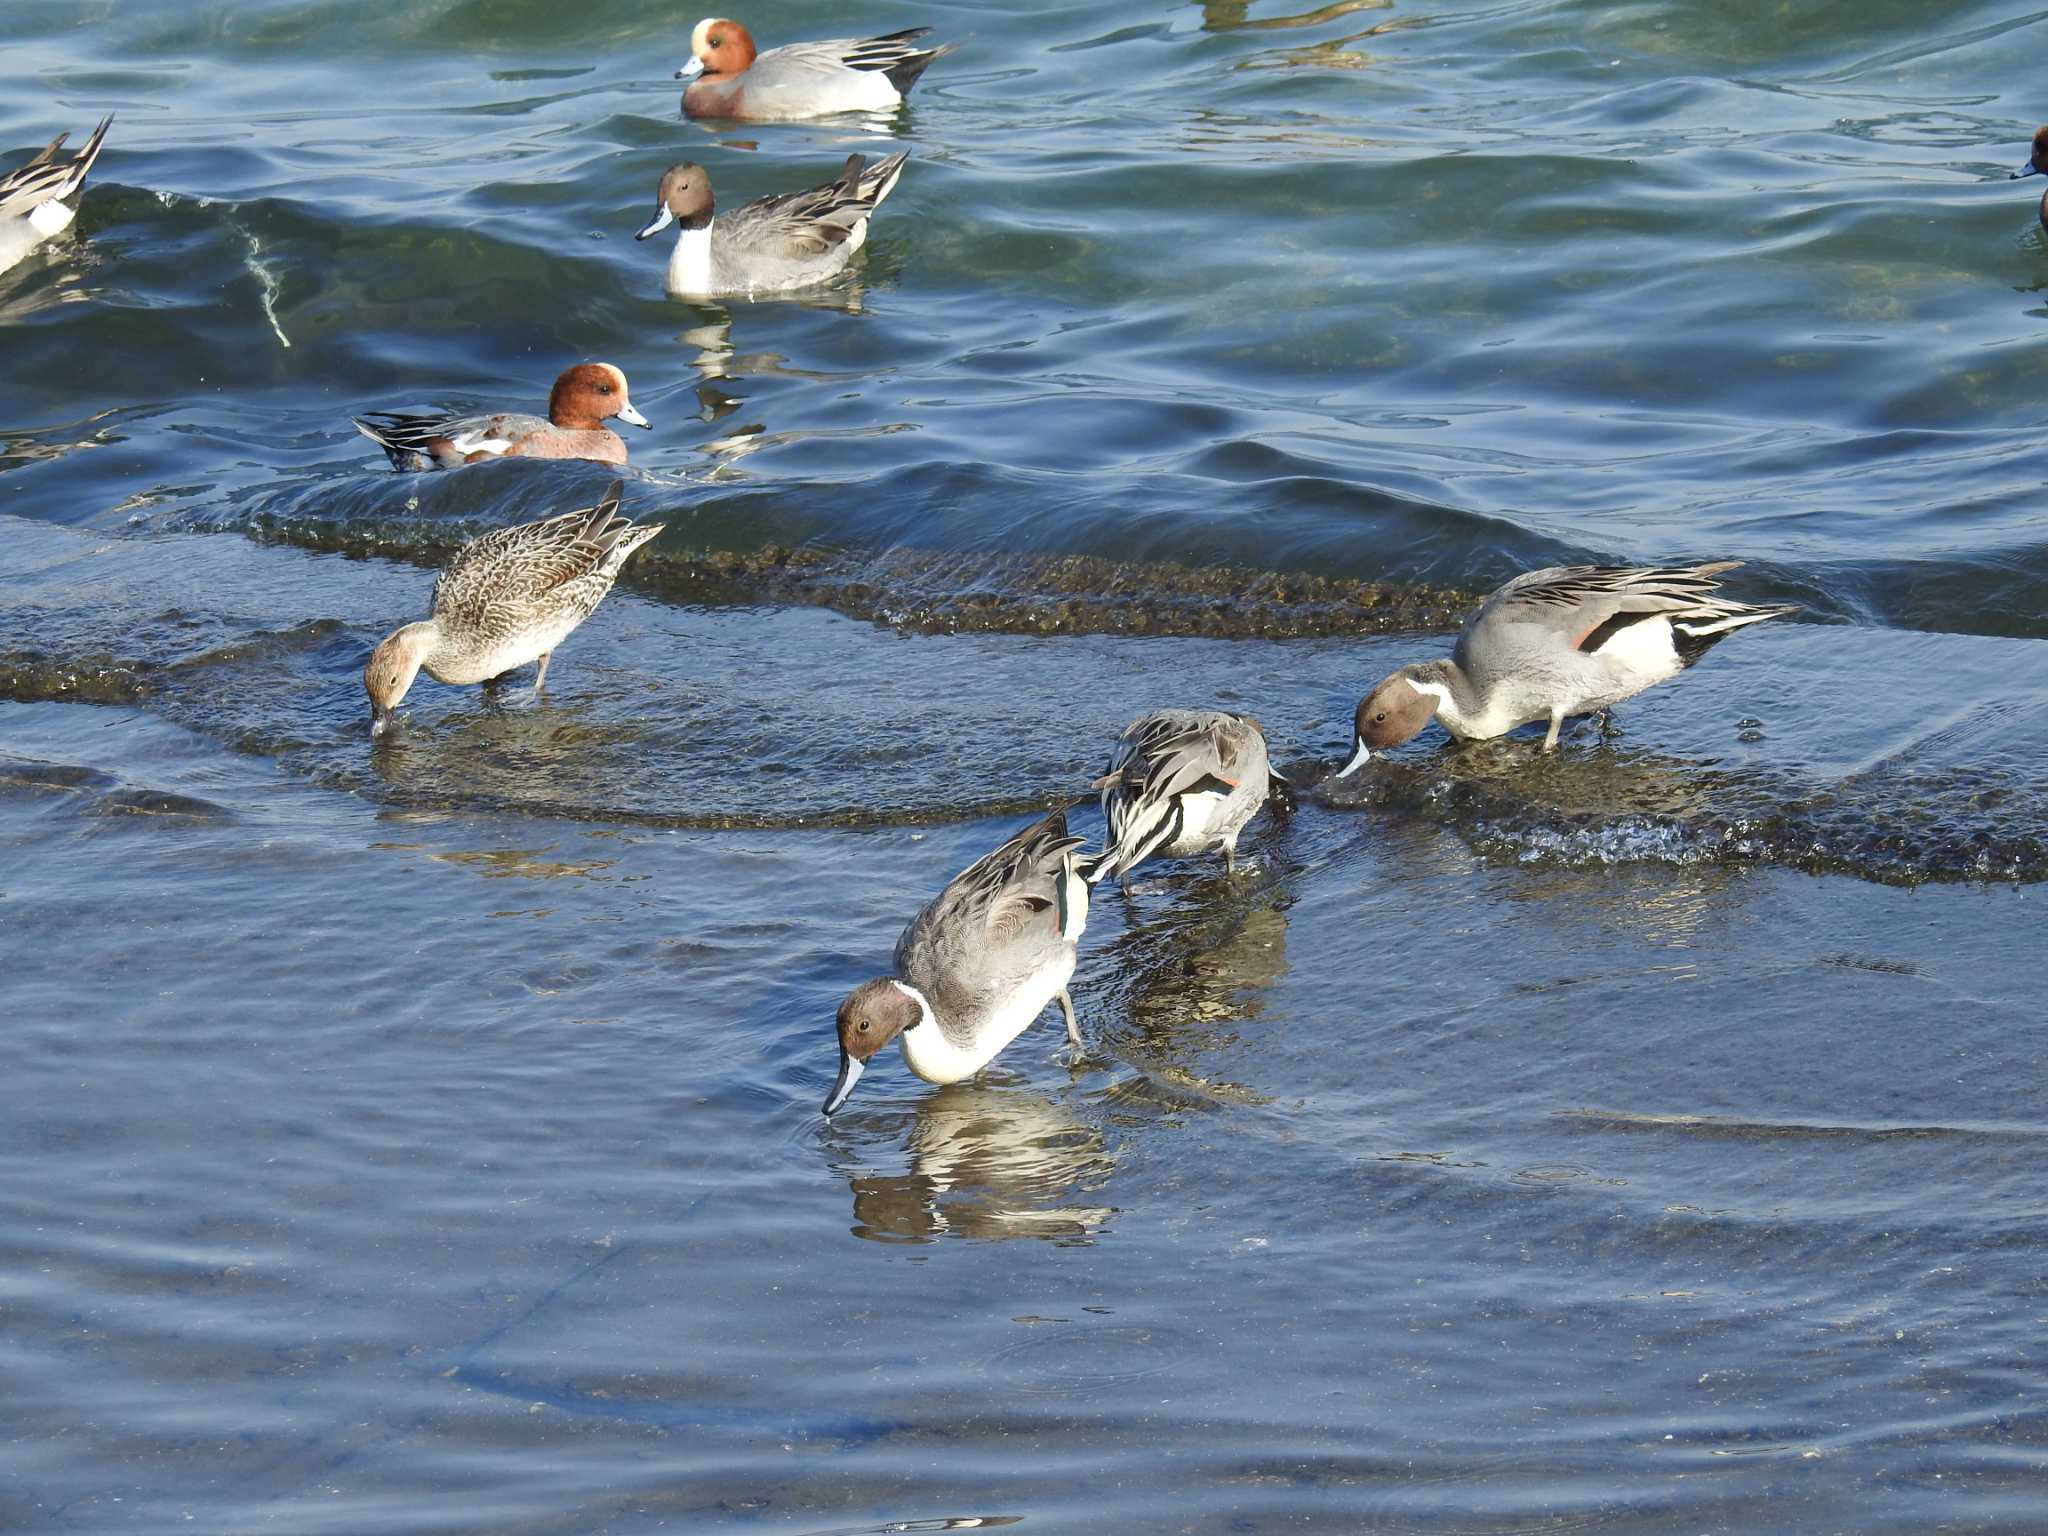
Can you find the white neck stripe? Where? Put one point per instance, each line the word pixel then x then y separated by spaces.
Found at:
pixel 924 1009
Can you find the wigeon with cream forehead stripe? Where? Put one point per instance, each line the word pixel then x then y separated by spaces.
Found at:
pixel 729 78
pixel 1569 640
pixel 773 244
pixel 507 599
pixel 40 199
pixel 583 399
pixel 2037 163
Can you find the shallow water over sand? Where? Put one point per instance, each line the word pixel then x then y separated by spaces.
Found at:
pixel 424 1136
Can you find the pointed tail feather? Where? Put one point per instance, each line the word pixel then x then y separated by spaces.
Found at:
pixel 904 75
pixel 880 180
pixel 81 163
pixel 1692 636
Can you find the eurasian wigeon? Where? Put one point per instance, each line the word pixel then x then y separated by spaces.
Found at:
pixel 1570 640
pixel 506 599
pixel 583 399
pixel 773 244
pixel 977 966
pixel 40 199
pixel 729 78
pixel 1180 782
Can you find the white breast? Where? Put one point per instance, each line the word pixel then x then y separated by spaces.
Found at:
pixel 936 1059
pixel 689 265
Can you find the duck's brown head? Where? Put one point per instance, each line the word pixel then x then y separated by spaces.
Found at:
pixel 392 667
pixel 684 196
pixel 2037 162
pixel 874 1013
pixel 1394 712
pixel 718 47
pixel 588 395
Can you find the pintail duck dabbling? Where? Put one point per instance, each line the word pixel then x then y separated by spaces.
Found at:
pixel 773 244
pixel 1180 782
pixel 1570 640
pixel 730 78
pixel 40 198
pixel 976 966
pixel 2037 164
pixel 583 399
pixel 506 599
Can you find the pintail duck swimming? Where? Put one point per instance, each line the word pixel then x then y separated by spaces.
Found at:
pixel 506 599
pixel 2037 163
pixel 583 399
pixel 40 199
pixel 1570 640
pixel 730 78
pixel 1180 782
pixel 789 240
pixel 976 966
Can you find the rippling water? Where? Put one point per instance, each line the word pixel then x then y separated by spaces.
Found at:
pixel 423 1136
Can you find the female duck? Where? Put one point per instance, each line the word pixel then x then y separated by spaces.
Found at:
pixel 729 78
pixel 976 966
pixel 789 240
pixel 583 399
pixel 40 199
pixel 506 599
pixel 1570 640
pixel 1180 782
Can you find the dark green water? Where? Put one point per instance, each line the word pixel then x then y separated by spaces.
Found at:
pixel 423 1137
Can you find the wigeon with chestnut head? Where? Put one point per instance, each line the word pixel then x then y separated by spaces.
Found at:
pixel 773 244
pixel 730 78
pixel 507 599
pixel 583 400
pixel 1180 782
pixel 2037 163
pixel 1571 640
pixel 40 198
pixel 977 966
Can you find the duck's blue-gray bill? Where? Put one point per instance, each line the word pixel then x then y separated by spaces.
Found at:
pixel 1358 760
pixel 849 1074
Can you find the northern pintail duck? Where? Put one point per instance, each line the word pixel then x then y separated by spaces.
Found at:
pixel 506 599
pixel 1180 782
pixel 2037 163
pixel 583 399
pixel 976 966
pixel 789 240
pixel 1570 640
pixel 730 78
pixel 40 199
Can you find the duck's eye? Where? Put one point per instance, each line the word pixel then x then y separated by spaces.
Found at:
pixel 1380 718
pixel 863 1026
pixel 604 389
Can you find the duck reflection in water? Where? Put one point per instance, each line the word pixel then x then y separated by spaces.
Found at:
pixel 988 1162
pixel 1235 15
pixel 1188 979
